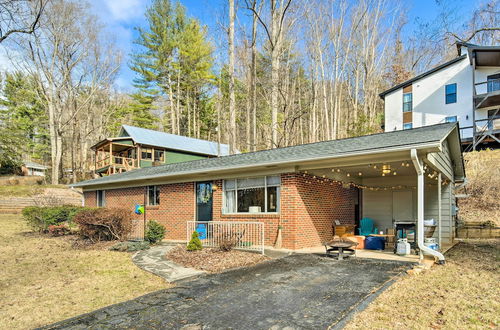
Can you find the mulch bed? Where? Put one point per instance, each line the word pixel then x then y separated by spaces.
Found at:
pixel 213 260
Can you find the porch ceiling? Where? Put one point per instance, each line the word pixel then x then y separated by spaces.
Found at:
pixel 403 168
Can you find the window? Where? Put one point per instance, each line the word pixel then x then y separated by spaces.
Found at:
pixel 493 83
pixel 153 195
pixel 146 154
pixel 159 154
pixel 408 126
pixel 451 93
pixel 407 102
pixel 252 195
pixel 451 119
pixel 101 198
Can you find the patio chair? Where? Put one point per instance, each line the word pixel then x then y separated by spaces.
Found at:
pixel 367 227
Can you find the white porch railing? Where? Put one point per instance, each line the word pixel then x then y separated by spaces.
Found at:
pixel 245 235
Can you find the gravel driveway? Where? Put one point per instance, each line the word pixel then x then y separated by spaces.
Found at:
pixel 294 292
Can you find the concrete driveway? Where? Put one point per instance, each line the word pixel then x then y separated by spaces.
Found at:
pixel 294 292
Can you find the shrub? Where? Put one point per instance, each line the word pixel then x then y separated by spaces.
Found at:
pixel 130 246
pixel 104 224
pixel 195 243
pixel 228 240
pixel 155 232
pixel 59 230
pixel 40 218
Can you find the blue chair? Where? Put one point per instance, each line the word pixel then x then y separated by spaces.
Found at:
pixel 367 227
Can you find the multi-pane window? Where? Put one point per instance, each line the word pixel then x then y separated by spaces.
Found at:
pixel 159 156
pixel 408 126
pixel 147 154
pixel 451 119
pixel 451 93
pixel 101 198
pixel 407 102
pixel 153 195
pixel 252 195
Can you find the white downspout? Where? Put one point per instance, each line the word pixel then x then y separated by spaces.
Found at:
pixel 439 210
pixel 420 208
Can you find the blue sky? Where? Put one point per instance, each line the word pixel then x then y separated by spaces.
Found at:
pixel 121 16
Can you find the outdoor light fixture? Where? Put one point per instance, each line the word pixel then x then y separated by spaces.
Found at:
pixel 386 169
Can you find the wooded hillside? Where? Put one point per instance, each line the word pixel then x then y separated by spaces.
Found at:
pixel 272 73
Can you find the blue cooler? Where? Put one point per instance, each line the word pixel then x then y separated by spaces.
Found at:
pixel 374 243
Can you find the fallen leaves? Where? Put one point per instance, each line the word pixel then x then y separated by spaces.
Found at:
pixel 213 260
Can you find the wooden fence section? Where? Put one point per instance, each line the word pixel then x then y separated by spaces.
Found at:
pixel 478 232
pixel 245 235
pixel 15 205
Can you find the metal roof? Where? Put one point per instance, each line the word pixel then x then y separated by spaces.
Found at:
pixel 420 76
pixel 380 142
pixel 35 165
pixel 172 141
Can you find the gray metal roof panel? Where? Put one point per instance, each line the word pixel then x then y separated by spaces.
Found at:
pixel 318 150
pixel 175 142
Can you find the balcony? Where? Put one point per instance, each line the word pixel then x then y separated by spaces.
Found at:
pixel 483 131
pixel 114 164
pixel 487 93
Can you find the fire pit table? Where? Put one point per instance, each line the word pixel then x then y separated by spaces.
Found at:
pixel 340 247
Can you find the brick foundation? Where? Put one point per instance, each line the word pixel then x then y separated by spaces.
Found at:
pixel 308 208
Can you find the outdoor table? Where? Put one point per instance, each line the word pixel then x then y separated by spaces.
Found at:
pixel 341 247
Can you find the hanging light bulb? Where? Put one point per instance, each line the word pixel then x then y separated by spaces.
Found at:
pixel 383 174
pixel 348 174
pixel 394 173
pixel 360 174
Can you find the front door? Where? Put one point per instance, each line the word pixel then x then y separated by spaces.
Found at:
pixel 204 201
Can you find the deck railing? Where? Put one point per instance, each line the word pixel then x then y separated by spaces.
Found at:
pixel 244 235
pixel 127 163
pixel 489 86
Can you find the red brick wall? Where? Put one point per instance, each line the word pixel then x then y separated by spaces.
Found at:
pixel 308 208
pixel 176 205
pixel 319 204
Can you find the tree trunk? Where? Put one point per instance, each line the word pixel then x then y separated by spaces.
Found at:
pixel 232 99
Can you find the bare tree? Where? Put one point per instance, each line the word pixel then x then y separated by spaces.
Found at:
pixel 20 16
pixel 232 100
pixel 72 63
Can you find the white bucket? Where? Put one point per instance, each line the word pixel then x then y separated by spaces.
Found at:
pixel 403 247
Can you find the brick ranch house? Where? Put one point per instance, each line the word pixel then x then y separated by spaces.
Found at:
pixel 409 174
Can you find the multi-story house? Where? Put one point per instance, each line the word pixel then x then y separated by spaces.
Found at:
pixel 465 90
pixel 138 147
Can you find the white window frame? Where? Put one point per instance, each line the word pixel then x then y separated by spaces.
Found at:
pixel 156 193
pixel 103 204
pixel 278 195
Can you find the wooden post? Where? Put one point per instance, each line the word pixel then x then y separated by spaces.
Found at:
pixel 138 156
pixel 111 156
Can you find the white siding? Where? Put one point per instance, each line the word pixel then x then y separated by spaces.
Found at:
pixel 394 111
pixel 378 204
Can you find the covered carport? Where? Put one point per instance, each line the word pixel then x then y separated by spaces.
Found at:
pixel 409 182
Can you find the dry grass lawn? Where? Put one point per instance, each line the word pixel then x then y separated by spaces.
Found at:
pixel 463 294
pixel 44 280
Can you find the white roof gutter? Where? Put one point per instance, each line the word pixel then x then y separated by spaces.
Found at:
pixel 420 208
